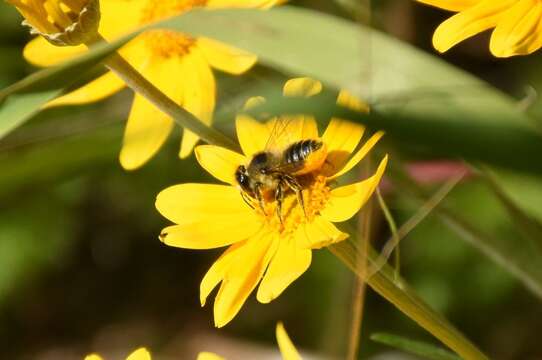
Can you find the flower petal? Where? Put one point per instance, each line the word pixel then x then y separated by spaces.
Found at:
pixel 520 31
pixel 226 58
pixel 242 277
pixel 317 234
pixel 199 89
pixel 354 160
pixel 219 162
pixel 209 356
pixel 351 102
pixel 262 4
pixel 40 52
pixel 302 87
pixel 98 89
pixel 289 263
pixel 210 234
pixel 217 271
pixel 148 127
pixel 341 138
pixel 188 203
pixel 451 5
pixel 112 24
pixel 252 135
pixel 485 15
pixel 346 201
pixel 287 348
pixel 140 354
pixel 93 357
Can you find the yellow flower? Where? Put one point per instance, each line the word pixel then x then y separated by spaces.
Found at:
pixel 139 354
pixel 262 246
pixel 287 348
pixel 61 22
pixel 178 64
pixel 517 24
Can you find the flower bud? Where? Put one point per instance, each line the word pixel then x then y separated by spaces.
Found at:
pixel 61 22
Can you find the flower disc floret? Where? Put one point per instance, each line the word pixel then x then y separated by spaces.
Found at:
pixel 61 22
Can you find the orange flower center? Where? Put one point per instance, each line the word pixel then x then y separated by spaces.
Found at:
pixel 316 193
pixel 168 43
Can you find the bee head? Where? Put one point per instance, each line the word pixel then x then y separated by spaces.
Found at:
pixel 242 178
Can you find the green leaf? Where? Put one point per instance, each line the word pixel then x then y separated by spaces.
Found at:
pixel 24 99
pixel 428 351
pixel 503 144
pixel 344 55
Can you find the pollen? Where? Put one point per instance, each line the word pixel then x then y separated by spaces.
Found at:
pixel 167 43
pixel 316 194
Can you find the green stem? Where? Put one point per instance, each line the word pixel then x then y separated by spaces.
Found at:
pixel 118 65
pixel 405 299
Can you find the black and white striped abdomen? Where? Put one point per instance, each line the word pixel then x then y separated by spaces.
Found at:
pixel 298 152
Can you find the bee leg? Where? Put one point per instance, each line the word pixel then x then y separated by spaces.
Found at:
pixel 259 196
pixel 246 199
pixel 279 197
pixel 298 190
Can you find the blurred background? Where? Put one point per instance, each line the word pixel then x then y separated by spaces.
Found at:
pixel 82 270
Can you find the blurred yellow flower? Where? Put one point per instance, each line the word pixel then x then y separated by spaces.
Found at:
pixel 287 348
pixel 139 354
pixel 61 22
pixel 178 64
pixel 517 24
pixel 266 246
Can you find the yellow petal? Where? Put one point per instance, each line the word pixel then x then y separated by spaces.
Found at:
pixel 341 138
pixel 187 203
pixel 140 354
pixel 354 160
pixel 302 87
pixel 40 52
pixel 289 263
pixel 262 4
pixel 219 162
pixel 199 94
pixel 346 201
pixel 118 17
pixel 218 270
pixel 351 102
pixel 93 357
pixel 209 356
pixel 485 15
pixel 252 135
pixel 226 58
pixel 148 127
pixel 451 5
pixel 317 234
pixel 241 278
pixel 98 89
pixel 210 233
pixel 287 348
pixel 520 31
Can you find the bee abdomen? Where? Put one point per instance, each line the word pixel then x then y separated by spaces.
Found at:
pixel 298 152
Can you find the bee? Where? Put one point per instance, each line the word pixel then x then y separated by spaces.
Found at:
pixel 275 172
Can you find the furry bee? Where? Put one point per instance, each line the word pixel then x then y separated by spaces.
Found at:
pixel 274 173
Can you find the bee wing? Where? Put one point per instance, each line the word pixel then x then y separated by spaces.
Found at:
pixel 286 130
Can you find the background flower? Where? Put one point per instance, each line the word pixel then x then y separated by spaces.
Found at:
pixel 178 64
pixel 517 24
